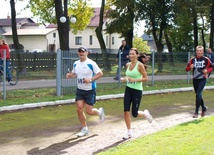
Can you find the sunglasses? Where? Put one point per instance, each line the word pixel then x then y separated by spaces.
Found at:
pixel 80 51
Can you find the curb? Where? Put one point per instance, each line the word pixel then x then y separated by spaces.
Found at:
pixel 103 97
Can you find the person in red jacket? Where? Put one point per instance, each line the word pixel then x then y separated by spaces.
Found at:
pixel 4 46
pixel 200 66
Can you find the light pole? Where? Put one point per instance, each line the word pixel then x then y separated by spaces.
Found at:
pixel 64 25
pixel 72 19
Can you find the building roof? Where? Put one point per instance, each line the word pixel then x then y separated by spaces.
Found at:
pixel 147 37
pixel 7 21
pixel 52 26
pixel 96 18
pixel 25 32
pixel 31 24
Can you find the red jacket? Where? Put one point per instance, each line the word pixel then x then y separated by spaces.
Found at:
pixel 2 47
pixel 200 63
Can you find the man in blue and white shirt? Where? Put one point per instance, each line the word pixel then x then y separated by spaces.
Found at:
pixel 87 72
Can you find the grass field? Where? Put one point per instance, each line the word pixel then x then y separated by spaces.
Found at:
pixel 189 138
pixel 192 138
pixel 17 97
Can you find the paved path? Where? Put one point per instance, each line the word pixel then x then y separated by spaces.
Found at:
pixel 52 83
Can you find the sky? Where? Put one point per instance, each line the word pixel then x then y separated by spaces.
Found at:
pixel 5 11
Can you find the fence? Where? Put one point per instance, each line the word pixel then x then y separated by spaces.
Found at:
pixel 65 60
pixel 34 61
pixel 47 61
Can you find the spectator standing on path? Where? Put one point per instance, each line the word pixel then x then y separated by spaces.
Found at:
pixel 210 55
pixel 135 76
pixel 124 52
pixel 4 46
pixel 200 66
pixel 86 71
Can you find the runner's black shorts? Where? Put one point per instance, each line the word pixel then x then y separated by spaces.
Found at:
pixel 89 96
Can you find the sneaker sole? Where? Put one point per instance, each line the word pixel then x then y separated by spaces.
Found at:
pixel 82 136
pixel 124 138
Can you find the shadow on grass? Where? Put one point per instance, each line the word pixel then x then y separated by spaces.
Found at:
pixel 197 121
pixel 110 146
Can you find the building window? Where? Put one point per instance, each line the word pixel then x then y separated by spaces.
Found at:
pixel 78 40
pixel 112 40
pixel 106 40
pixel 54 35
pixel 90 40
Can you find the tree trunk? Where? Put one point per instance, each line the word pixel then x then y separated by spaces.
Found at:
pixel 195 29
pixel 106 63
pixel 19 49
pixel 159 57
pixel 169 45
pixel 130 34
pixel 202 33
pixel 63 28
pixel 158 42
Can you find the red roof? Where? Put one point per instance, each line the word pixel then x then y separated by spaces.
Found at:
pixel 7 21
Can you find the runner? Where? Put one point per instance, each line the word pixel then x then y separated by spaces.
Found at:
pixel 201 66
pixel 86 71
pixel 135 76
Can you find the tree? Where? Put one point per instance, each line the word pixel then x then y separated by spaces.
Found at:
pixel 181 30
pixel 99 29
pixel 51 11
pixel 158 14
pixel 212 26
pixel 122 20
pixel 141 45
pixel 17 46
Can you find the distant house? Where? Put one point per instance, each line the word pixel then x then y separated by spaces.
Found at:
pixel 150 41
pixel 32 36
pixel 5 24
pixel 39 39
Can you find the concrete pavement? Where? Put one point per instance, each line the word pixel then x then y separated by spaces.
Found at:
pixel 29 84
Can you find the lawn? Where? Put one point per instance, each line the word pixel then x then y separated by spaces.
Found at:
pixel 192 138
pixel 189 138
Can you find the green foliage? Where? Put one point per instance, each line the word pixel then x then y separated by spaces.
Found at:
pixel 141 45
pixel 83 14
pixel 45 11
pixel 121 18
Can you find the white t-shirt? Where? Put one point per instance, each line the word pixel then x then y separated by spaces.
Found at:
pixel 86 69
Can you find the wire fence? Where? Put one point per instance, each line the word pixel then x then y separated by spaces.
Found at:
pixel 45 72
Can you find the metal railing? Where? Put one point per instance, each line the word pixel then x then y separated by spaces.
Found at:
pixel 65 61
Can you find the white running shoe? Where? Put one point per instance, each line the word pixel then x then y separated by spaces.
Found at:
pixel 102 114
pixel 148 116
pixel 82 133
pixel 128 135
